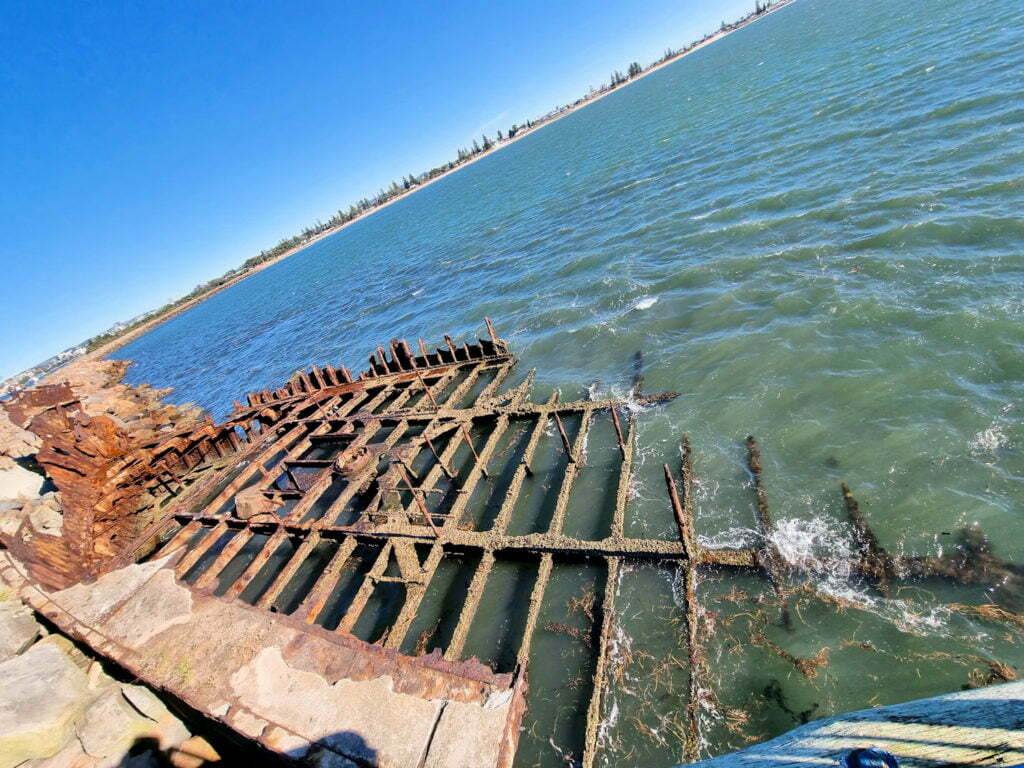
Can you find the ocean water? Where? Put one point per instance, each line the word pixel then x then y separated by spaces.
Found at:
pixel 813 231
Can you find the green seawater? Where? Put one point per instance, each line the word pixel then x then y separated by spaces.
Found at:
pixel 813 231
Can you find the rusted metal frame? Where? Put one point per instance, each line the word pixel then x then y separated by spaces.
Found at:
pixel 444 462
pixel 426 388
pixel 519 406
pixel 472 448
pixel 417 444
pixel 363 477
pixel 764 516
pixel 512 494
pixel 195 492
pixel 475 473
pixel 414 594
pixel 280 581
pixel 419 500
pixel 691 744
pixel 304 445
pixel 683 511
pixel 437 457
pixel 571 471
pixel 683 520
pixel 472 368
pixel 326 477
pixel 451 348
pixel 475 369
pixel 618 431
pixel 437 388
pixel 180 538
pixel 193 556
pixel 469 608
pixel 490 332
pixel 256 464
pixel 446 374
pixel 542 542
pixel 518 394
pixel 503 371
pixel 578 405
pixel 226 555
pixel 565 438
pixel 533 612
pixel 770 558
pixel 600 679
pixel 355 609
pixel 269 547
pixel 625 477
pixel 315 601
pixel 875 563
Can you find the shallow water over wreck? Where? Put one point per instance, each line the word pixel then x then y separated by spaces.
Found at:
pixel 811 230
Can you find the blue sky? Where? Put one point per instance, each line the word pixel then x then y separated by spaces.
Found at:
pixel 147 147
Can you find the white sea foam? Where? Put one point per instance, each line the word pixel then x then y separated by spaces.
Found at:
pixel 989 440
pixel 824 550
pixel 646 303
pixel 734 538
pixel 819 546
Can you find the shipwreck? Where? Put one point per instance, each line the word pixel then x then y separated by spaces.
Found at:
pixel 278 572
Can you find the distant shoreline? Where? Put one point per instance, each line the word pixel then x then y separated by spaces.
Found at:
pixel 114 344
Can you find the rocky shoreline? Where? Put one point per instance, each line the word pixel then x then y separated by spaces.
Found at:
pixel 60 704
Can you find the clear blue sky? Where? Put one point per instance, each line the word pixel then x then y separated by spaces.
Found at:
pixel 146 147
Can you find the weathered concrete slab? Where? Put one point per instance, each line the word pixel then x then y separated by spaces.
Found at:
pixel 90 603
pixel 456 746
pixel 42 694
pixel 364 720
pixel 158 605
pixel 299 689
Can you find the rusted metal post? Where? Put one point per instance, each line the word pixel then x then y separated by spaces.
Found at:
pixel 444 467
pixel 430 394
pixel 679 513
pixel 419 501
pixel 618 431
pixel 476 456
pixel 565 437
pixel 876 563
pixel 490 330
pixel 451 347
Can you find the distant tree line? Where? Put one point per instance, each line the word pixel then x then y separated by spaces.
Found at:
pixel 411 181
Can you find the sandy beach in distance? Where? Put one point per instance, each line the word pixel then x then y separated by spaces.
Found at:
pixel 115 344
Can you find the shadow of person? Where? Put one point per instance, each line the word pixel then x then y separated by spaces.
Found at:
pixel 347 745
pixel 145 752
pixel 344 747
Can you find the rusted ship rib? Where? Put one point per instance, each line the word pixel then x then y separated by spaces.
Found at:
pixel 269 570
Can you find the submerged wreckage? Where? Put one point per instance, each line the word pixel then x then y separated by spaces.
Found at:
pixel 277 572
